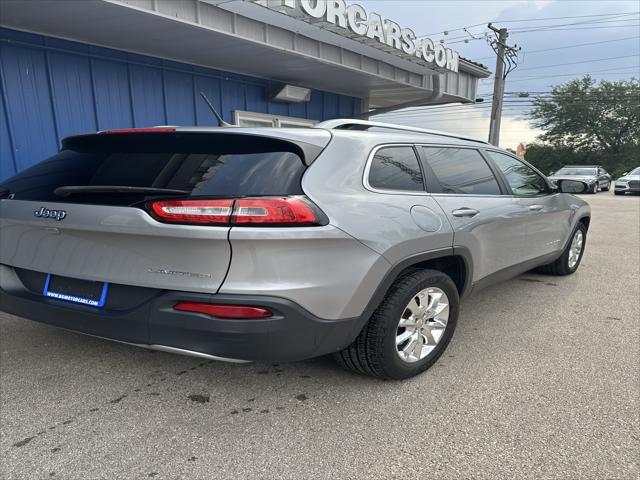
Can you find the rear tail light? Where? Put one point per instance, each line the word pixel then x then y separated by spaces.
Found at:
pixel 289 210
pixel 264 211
pixel 210 212
pixel 224 311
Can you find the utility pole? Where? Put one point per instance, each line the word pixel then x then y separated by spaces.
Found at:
pixel 504 54
pixel 498 86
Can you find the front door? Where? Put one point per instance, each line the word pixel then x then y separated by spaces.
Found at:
pixel 548 218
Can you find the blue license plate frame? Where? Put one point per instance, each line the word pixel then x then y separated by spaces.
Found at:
pixel 99 303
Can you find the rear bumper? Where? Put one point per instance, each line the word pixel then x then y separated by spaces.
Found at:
pixel 292 333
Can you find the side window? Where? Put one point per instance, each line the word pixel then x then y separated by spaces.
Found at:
pixel 461 171
pixel 523 179
pixel 396 168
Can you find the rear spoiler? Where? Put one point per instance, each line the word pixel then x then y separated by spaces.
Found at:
pixel 219 140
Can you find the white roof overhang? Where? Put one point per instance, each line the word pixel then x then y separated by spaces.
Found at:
pixel 245 38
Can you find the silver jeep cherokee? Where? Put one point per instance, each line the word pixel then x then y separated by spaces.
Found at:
pixel 353 238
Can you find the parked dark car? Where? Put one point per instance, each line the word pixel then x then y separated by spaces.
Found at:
pixel 595 176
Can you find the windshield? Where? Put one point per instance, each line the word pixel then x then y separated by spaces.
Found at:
pixel 576 171
pixel 635 171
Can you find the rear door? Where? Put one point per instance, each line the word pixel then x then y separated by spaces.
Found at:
pixel 488 223
pixel 111 236
pixel 548 221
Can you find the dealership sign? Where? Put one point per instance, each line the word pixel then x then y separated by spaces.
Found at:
pixel 355 19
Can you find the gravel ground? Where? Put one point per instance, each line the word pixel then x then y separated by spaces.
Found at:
pixel 541 380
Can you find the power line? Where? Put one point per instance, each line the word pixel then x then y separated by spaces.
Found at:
pixel 588 23
pixel 529 52
pixel 616 19
pixel 531 92
pixel 511 103
pixel 550 27
pixel 580 45
pixel 531 96
pixel 451 117
pixel 548 92
pixel 481 113
pixel 577 28
pixel 568 75
pixel 458 113
pixel 438 112
pixel 603 15
pixel 604 59
pixel 467 39
pixel 632 68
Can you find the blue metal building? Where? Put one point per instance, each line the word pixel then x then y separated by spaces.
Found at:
pixel 68 67
pixel 51 88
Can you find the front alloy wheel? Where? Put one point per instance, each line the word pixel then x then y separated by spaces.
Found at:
pixel 575 250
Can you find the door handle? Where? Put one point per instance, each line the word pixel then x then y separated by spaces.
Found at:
pixel 465 212
pixel 536 208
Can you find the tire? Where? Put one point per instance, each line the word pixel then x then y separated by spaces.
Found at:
pixel 608 187
pixel 562 265
pixel 374 351
pixel 594 190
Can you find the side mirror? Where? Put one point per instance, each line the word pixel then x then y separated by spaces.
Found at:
pixel 572 186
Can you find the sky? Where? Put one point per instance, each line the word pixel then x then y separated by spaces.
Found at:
pixel 551 33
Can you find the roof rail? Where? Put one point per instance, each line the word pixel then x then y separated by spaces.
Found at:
pixel 353 124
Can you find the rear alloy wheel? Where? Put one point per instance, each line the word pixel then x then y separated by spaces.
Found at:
pixel 571 257
pixel 607 188
pixel 410 329
pixel 422 324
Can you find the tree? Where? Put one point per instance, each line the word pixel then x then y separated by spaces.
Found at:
pixel 549 158
pixel 581 115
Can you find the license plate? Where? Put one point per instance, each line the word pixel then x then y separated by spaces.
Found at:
pixel 75 290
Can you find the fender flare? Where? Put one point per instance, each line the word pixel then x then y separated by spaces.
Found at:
pixel 573 229
pixel 394 272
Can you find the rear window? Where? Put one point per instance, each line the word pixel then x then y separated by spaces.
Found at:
pixel 202 164
pixel 396 168
pixel 577 171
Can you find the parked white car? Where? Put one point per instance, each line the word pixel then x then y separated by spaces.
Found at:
pixel 629 182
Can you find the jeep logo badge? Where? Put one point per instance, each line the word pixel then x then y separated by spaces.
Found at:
pixel 58 215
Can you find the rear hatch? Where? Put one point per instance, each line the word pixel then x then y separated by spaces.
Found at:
pixel 85 212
